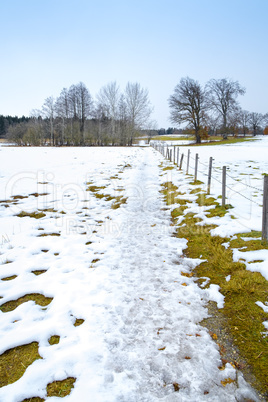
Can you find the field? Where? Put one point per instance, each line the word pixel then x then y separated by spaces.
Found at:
pixel 99 299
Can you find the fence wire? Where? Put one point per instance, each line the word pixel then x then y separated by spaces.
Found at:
pixel 214 169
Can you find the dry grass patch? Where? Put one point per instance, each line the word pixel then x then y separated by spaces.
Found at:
pixel 14 362
pixel 61 388
pixel 168 168
pixel 9 278
pixel 249 245
pixel 38 194
pixel 118 201
pixel 39 271
pixel 36 215
pixel 36 297
pixel 171 194
pixel 54 340
pixel 19 197
pixel 48 234
pixel 78 322
pixel 95 189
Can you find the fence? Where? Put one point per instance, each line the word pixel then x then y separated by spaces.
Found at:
pixel 172 153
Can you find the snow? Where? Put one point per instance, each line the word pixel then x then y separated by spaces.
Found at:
pixel 265 309
pixel 215 295
pixel 120 270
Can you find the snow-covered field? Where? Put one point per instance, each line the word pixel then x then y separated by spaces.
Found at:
pixel 246 165
pixel 117 269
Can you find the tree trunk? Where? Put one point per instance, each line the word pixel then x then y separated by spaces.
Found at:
pixel 198 137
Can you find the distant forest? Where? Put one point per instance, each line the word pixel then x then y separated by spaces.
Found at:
pixel 8 121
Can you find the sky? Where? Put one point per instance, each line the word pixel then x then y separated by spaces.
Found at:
pixel 50 45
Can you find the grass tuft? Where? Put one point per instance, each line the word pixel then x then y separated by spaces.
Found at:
pixel 219 211
pixel 36 297
pixel 61 388
pixel 249 245
pixel 196 183
pixel 48 234
pixel 9 278
pixel 168 168
pixel 118 202
pixel 54 340
pixel 36 215
pixel 14 362
pixel 39 271
pixel 95 189
pixel 78 322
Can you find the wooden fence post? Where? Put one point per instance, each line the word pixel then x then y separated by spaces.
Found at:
pixel 188 161
pixel 223 185
pixel 170 155
pixel 209 174
pixel 174 154
pixel 196 166
pixel 265 209
pixel 178 153
pixel 181 161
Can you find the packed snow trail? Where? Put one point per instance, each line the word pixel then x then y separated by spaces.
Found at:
pixel 141 340
pixel 155 348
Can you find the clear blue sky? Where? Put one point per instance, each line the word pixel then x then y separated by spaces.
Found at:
pixel 47 45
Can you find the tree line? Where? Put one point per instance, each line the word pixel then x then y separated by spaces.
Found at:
pixel 74 118
pixel 214 108
pixel 116 117
pixel 7 121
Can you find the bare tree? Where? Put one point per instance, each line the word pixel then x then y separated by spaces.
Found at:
pixel 124 124
pixel 108 99
pixel 17 132
pixel 244 120
pixel 62 108
pixel 100 123
pixel 234 121
pixel 255 120
pixel 85 105
pixel 81 105
pixel 188 105
pixel 138 106
pixel 222 96
pixel 48 111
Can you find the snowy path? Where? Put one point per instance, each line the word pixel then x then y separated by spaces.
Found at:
pixel 154 345
pixel 140 341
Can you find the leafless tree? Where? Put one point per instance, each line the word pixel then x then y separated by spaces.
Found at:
pixel 81 106
pixel 255 121
pixel 17 132
pixel 188 105
pixel 138 106
pixel 62 107
pixel 108 99
pixel 48 111
pixel 222 96
pixel 124 123
pixel 244 120
pixel 85 104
